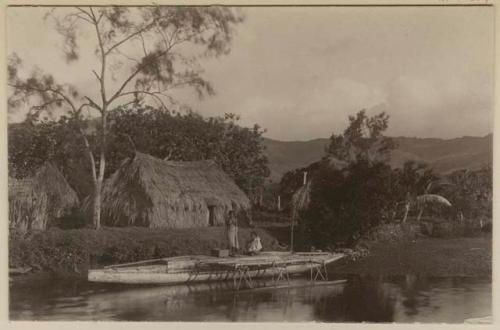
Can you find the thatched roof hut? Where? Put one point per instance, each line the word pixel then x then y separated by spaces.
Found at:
pixel 36 201
pixel 150 192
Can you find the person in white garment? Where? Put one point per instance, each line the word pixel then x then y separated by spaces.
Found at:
pixel 254 246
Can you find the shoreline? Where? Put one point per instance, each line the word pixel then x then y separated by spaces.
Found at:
pixel 460 256
pixel 440 257
pixel 70 253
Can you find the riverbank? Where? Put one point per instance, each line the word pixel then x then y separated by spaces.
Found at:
pixel 462 256
pixel 70 253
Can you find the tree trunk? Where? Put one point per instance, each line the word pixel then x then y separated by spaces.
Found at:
pixel 96 218
pixel 407 209
pixel 100 179
pixel 420 213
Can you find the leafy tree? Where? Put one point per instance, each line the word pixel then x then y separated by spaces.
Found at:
pixel 414 179
pixel 33 142
pixel 159 133
pixel 174 136
pixel 362 139
pixel 346 203
pixel 417 185
pixel 141 53
pixel 471 193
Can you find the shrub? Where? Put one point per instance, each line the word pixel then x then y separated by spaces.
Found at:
pixel 345 204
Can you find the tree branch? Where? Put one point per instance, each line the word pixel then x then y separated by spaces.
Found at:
pixel 103 62
pixel 93 104
pixel 128 57
pixel 86 13
pixel 96 75
pixel 78 15
pixel 152 94
pixel 143 43
pixel 51 90
pixel 138 32
pixel 46 104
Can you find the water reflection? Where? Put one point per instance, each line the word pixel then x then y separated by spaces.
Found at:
pixel 360 299
pixel 363 299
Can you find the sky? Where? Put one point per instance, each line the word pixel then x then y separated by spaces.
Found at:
pixel 299 72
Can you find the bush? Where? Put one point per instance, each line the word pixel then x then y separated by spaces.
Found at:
pixel 445 228
pixel 346 204
pixel 72 252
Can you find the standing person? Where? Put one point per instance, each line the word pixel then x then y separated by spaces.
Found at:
pixel 232 232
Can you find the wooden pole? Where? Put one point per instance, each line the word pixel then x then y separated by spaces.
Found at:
pixel 279 203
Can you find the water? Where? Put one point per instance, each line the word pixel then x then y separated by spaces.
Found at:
pixel 359 299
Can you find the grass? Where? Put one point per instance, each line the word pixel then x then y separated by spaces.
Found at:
pixel 463 256
pixel 72 252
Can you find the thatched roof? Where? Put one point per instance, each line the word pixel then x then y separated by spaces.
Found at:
pixel 147 191
pixel 37 200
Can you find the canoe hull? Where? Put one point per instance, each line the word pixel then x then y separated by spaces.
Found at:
pixel 163 274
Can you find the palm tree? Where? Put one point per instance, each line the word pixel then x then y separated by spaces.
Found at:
pixel 418 181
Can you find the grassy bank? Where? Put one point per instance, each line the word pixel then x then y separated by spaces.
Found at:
pixel 73 252
pixel 393 250
pixel 464 256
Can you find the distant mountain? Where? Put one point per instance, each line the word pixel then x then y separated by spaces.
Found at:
pixel 442 155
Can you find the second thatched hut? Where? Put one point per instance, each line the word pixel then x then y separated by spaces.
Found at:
pixel 150 192
pixel 36 202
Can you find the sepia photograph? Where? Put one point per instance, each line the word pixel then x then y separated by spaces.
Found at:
pixel 250 163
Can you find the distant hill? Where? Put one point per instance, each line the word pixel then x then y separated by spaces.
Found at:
pixel 442 155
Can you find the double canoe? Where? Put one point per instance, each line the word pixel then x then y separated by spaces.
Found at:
pixel 201 268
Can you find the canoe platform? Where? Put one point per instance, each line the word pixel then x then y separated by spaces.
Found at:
pixel 242 270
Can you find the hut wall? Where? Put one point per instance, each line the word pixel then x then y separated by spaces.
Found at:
pixel 27 212
pixel 35 201
pixel 163 215
pixel 180 217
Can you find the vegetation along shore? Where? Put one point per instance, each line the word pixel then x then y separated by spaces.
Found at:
pixel 388 220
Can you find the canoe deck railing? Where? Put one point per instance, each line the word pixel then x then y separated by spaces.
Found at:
pixel 240 271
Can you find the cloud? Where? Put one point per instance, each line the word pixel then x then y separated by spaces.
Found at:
pixel 300 72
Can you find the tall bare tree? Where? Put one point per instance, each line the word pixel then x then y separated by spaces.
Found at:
pixel 142 55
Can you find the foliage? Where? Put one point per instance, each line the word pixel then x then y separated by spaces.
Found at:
pixel 35 141
pixel 142 53
pixel 362 139
pixel 353 188
pixel 73 252
pixel 238 150
pixel 347 203
pixel 414 179
pixel 471 193
pixel 188 137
